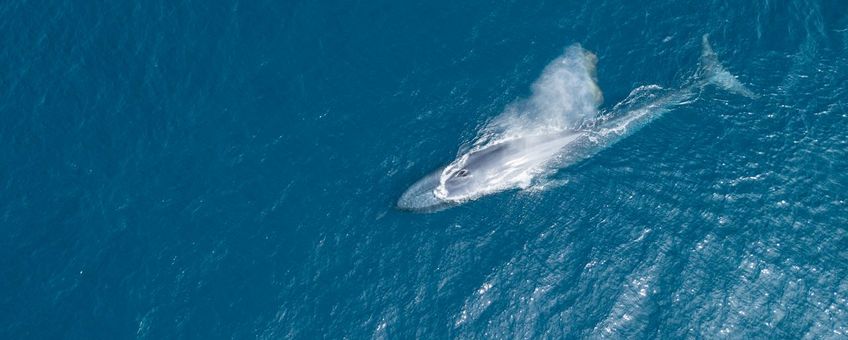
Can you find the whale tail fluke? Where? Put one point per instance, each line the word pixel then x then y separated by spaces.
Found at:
pixel 712 72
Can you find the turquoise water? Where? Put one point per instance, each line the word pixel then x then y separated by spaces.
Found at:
pixel 231 169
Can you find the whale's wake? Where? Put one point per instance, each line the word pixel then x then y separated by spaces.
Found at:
pixel 558 125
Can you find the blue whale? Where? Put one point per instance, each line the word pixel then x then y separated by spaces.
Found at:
pixel 515 162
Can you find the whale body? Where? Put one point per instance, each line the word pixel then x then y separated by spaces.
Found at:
pixel 514 162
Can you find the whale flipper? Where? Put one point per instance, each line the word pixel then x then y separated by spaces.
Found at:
pixel 712 72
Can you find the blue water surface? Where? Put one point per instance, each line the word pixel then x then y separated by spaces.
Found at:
pixel 229 169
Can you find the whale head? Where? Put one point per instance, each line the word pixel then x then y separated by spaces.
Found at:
pixel 474 174
pixel 458 184
pixel 484 170
pixel 469 176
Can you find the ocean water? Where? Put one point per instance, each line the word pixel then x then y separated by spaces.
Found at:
pixel 230 169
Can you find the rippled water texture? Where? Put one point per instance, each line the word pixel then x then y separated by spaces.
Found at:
pixel 190 169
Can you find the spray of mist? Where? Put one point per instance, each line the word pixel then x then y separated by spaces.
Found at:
pixel 565 96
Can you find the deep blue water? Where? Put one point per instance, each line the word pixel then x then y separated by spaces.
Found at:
pixel 197 169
